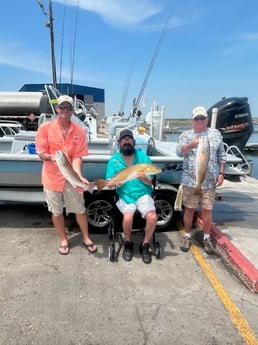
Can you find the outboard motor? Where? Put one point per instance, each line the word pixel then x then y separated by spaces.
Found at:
pixel 234 120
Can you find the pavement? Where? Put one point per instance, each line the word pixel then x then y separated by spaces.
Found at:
pixel 84 299
pixel 235 227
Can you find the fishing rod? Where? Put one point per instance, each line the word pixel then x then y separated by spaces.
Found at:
pixel 125 91
pixel 137 102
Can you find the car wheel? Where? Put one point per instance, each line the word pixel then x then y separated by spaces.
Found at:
pixel 99 211
pixel 167 216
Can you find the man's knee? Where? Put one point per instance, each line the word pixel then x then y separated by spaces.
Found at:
pixel 151 217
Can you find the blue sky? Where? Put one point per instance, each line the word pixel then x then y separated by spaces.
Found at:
pixel 210 50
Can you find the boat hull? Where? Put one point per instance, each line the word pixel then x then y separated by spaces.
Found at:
pixel 24 170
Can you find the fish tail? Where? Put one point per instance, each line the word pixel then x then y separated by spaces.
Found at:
pixel 197 190
pixel 100 183
pixel 90 187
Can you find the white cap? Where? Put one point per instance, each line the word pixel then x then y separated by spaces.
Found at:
pixel 64 98
pixel 199 111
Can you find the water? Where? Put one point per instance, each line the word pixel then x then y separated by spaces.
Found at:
pixel 250 155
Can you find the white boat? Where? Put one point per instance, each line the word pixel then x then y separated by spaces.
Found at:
pixel 20 168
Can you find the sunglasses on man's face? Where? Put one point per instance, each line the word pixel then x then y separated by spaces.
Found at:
pixel 63 107
pixel 202 118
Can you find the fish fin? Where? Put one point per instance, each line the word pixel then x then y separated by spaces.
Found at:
pixel 90 187
pixel 100 183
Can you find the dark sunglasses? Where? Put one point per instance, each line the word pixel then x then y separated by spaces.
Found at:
pixel 63 107
pixel 202 118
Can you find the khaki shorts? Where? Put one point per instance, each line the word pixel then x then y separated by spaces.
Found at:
pixel 191 200
pixel 144 205
pixel 70 198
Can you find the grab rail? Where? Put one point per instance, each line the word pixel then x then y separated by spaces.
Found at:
pixel 242 168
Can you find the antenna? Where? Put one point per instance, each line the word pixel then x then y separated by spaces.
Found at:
pixel 49 24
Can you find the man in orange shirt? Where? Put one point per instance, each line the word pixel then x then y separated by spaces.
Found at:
pixel 63 134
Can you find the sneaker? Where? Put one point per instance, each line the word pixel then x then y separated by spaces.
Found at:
pixel 208 247
pixel 146 254
pixel 128 251
pixel 185 244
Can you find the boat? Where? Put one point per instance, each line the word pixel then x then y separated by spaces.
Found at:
pixel 8 129
pixel 20 168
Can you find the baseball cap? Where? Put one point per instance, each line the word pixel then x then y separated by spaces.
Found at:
pixel 124 133
pixel 199 111
pixel 64 98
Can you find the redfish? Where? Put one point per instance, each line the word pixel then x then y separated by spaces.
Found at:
pixel 202 161
pixel 130 173
pixel 69 174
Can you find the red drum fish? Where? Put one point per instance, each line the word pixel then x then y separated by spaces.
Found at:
pixel 69 174
pixel 202 160
pixel 130 173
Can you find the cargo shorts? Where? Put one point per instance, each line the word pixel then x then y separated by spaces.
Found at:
pixel 205 201
pixel 70 199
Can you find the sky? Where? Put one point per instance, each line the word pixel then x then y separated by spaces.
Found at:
pixel 180 53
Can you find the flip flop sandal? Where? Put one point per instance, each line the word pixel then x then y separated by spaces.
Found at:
pixel 65 247
pixel 90 245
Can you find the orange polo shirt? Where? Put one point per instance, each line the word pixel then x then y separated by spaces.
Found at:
pixel 50 139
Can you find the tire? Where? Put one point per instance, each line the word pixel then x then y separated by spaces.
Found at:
pixel 167 216
pixel 100 212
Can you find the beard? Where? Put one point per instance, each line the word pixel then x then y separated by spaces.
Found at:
pixel 127 150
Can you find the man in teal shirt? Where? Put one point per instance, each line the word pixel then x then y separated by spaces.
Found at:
pixel 133 195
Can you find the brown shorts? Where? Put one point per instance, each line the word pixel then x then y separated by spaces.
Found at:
pixel 191 200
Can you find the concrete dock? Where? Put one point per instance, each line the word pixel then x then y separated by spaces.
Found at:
pixel 84 299
pixel 235 227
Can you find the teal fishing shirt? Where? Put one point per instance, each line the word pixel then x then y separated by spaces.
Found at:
pixel 131 190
